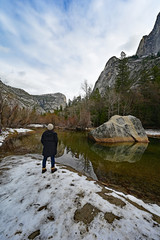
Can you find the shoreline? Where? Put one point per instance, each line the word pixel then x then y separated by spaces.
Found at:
pixel 11 132
pixel 146 196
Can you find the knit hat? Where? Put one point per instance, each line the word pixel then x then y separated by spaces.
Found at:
pixel 50 126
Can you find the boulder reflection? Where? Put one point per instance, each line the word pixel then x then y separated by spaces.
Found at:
pixel 120 152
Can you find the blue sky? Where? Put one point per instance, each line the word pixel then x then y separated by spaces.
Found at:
pixel 49 46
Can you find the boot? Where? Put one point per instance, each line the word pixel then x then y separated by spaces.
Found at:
pixel 44 170
pixel 53 170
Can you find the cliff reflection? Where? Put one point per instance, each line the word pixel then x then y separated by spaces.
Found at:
pixel 73 150
pixel 121 152
pixel 60 149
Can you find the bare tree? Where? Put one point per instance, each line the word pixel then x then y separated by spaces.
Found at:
pixel 87 89
pixel 85 116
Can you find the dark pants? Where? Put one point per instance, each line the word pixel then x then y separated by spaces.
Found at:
pixel 45 159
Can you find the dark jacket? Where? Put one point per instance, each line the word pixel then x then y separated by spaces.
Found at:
pixel 49 140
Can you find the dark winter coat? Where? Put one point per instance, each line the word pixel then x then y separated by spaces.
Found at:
pixel 49 140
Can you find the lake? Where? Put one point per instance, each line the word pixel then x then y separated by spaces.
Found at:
pixel 130 167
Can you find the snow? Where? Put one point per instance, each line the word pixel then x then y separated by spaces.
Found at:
pixel 8 131
pixel 45 205
pixel 151 132
pixel 35 125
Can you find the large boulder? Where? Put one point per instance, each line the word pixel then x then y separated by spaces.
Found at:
pixel 120 129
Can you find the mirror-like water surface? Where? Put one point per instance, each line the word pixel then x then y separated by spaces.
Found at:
pixel 133 168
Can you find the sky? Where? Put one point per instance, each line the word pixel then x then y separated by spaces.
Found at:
pixel 49 46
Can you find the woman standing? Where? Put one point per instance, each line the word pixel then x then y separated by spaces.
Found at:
pixel 49 140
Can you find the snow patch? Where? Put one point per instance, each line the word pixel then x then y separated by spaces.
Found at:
pixel 35 125
pixel 154 133
pixel 8 131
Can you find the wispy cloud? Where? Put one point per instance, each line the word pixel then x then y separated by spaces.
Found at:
pixel 4 49
pixel 58 44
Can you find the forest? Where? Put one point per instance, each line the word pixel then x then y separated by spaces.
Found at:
pixel 128 97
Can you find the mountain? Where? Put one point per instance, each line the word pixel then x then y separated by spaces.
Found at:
pixel 50 102
pixel 147 56
pixel 150 45
pixel 41 103
pixel 107 77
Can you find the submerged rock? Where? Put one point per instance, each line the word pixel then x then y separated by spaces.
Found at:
pixel 120 129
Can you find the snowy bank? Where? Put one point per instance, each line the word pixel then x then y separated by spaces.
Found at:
pixel 9 131
pixel 35 125
pixel 152 133
pixel 66 206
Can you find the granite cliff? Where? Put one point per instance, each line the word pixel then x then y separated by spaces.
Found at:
pixel 146 57
pixel 41 103
pixel 150 44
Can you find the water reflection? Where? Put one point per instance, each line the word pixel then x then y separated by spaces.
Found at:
pixel 60 149
pixel 121 152
pixel 72 157
pixel 21 144
pixel 132 166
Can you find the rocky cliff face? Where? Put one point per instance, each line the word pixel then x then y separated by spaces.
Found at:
pixel 49 102
pixel 108 76
pixel 150 45
pixel 41 103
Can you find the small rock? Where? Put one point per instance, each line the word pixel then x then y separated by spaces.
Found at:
pixel 34 234
pixel 42 207
pixel 51 217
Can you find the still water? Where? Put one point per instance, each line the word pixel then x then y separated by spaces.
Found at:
pixel 132 168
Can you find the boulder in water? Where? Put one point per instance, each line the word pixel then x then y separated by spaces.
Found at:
pixel 120 129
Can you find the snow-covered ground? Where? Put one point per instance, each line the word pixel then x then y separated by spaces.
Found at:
pixel 65 206
pixel 152 133
pixel 8 131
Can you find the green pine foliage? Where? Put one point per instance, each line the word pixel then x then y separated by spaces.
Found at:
pixel 123 78
pixel 142 101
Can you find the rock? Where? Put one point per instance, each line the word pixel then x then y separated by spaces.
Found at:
pixel 34 234
pixel 150 45
pixel 41 103
pixel 50 102
pixel 107 76
pixel 120 129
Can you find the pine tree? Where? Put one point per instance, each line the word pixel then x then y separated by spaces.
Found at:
pixel 123 80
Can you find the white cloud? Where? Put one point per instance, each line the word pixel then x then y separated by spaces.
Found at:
pixel 58 49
